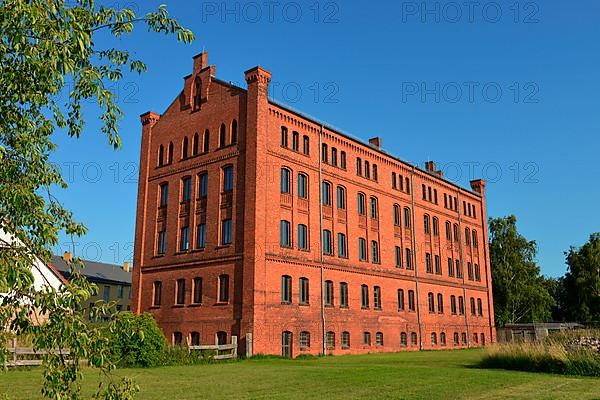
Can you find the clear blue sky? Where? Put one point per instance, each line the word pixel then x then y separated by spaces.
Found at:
pixel 505 91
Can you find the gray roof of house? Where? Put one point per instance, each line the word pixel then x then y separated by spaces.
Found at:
pixel 96 271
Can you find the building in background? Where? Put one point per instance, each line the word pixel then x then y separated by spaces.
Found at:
pixel 258 221
pixel 113 281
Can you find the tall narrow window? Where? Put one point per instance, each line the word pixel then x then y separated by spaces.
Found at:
pixel 224 288
pixel 479 308
pixel 426 224
pixel 304 340
pixel 433 338
pixel 474 238
pixel 459 271
pixel 195 338
pixel 330 340
pixel 374 211
pixel 411 300
pixel 164 194
pixel 302 186
pixel 326 193
pixel 403 339
pixel 186 184
pixel 377 298
pixel 285 181
pixel 328 293
pixel 343 294
pixel 327 245
pixel 477 273
pixel 195 144
pixel 184 148
pixel 374 252
pixel 285 234
pixel 284 136
pixel 346 340
pixel 203 185
pixel 177 338
pixel 408 259
pixel 461 305
pixel 324 153
pixel 162 242
pixel 206 146
pixel 398 256
pixel 431 302
pixel 286 289
pixel 170 154
pixel 302 237
pixel 375 172
pixel 367 170
pixel 400 299
pixel 341 197
pixel 428 266
pixel 161 155
pixel 455 230
pixel 367 338
pixel 436 227
pixel 393 180
pixel 396 215
pixel 472 303
pixel 438 267
pixel 343 160
pixel 440 303
pixel 379 339
pixel 334 156
pixel 342 246
pixel 361 203
pixel 305 145
pixel 197 93
pixel 450 267
pixel 228 178
pixel 156 293
pixel 180 292
pixel 234 132
pixel 358 166
pixel 407 217
pixel 470 271
pixel 226 232
pixel 197 295
pixel 362 249
pixel 467 236
pixel 453 305
pixel 303 291
pixel 448 234
pixel 295 141
pixel 364 296
pixel 184 239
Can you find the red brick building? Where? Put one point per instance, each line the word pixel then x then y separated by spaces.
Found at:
pixel 234 191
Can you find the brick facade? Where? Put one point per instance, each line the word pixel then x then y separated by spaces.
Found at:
pixel 258 257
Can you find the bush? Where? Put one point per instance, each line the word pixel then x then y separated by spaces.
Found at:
pixel 137 341
pixel 180 355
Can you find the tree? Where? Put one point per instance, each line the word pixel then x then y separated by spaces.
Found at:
pixel 581 284
pixel 520 291
pixel 43 45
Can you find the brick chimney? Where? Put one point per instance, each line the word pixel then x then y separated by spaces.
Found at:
pixel 375 142
pixel 126 266
pixel 68 256
pixel 200 62
pixel 478 186
pixel 429 166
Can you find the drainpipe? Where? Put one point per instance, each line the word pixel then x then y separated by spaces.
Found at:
pixel 460 235
pixel 414 237
pixel 319 154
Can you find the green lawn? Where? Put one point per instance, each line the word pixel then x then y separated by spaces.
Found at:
pixel 424 375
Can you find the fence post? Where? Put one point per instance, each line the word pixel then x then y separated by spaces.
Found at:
pixel 248 345
pixel 15 351
pixel 234 343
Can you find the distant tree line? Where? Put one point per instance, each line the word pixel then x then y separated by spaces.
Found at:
pixel 522 294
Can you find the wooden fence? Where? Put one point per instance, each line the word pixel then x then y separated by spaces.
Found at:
pixel 18 352
pixel 222 351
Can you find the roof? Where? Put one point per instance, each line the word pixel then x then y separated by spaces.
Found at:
pixel 95 271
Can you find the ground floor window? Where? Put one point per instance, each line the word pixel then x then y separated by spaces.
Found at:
pixel 346 340
pixel 286 344
pixel 304 340
pixel 221 337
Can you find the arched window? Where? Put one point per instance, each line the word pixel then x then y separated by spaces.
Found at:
pixel 374 252
pixel 161 155
pixel 170 154
pixel 302 186
pixel 374 211
pixel 455 339
pixel 184 148
pixel 443 338
pixel 409 262
pixel 366 338
pixel 407 217
pixel 461 305
pixel 474 238
pixel 286 289
pixel 285 234
pixel 302 237
pixel 433 338
pixel 197 93
pixel 455 229
pixel 177 338
pixel 341 197
pixel 440 305
pixel 326 193
pixel 377 297
pixel 411 300
pixel 327 242
pixel 222 136
pixel 346 340
pixel 403 341
pixel 426 224
pixel 396 215
pixel 431 302
pixel 436 227
pixel 285 181
pixel 413 338
pixel 195 145
pixel 477 273
pixel 206 146
pixel 467 237
pixel 361 203
pixel 304 340
pixel 329 293
pixel 448 231
pixel 330 340
pixel 234 132
pixel 195 338
pixel 364 296
pixel 286 344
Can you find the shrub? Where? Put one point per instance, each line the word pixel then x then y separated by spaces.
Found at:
pixel 137 341
pixel 180 355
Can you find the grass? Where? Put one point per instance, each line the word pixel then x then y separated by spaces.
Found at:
pixel 415 375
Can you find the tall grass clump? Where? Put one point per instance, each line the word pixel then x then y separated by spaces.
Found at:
pixel 565 353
